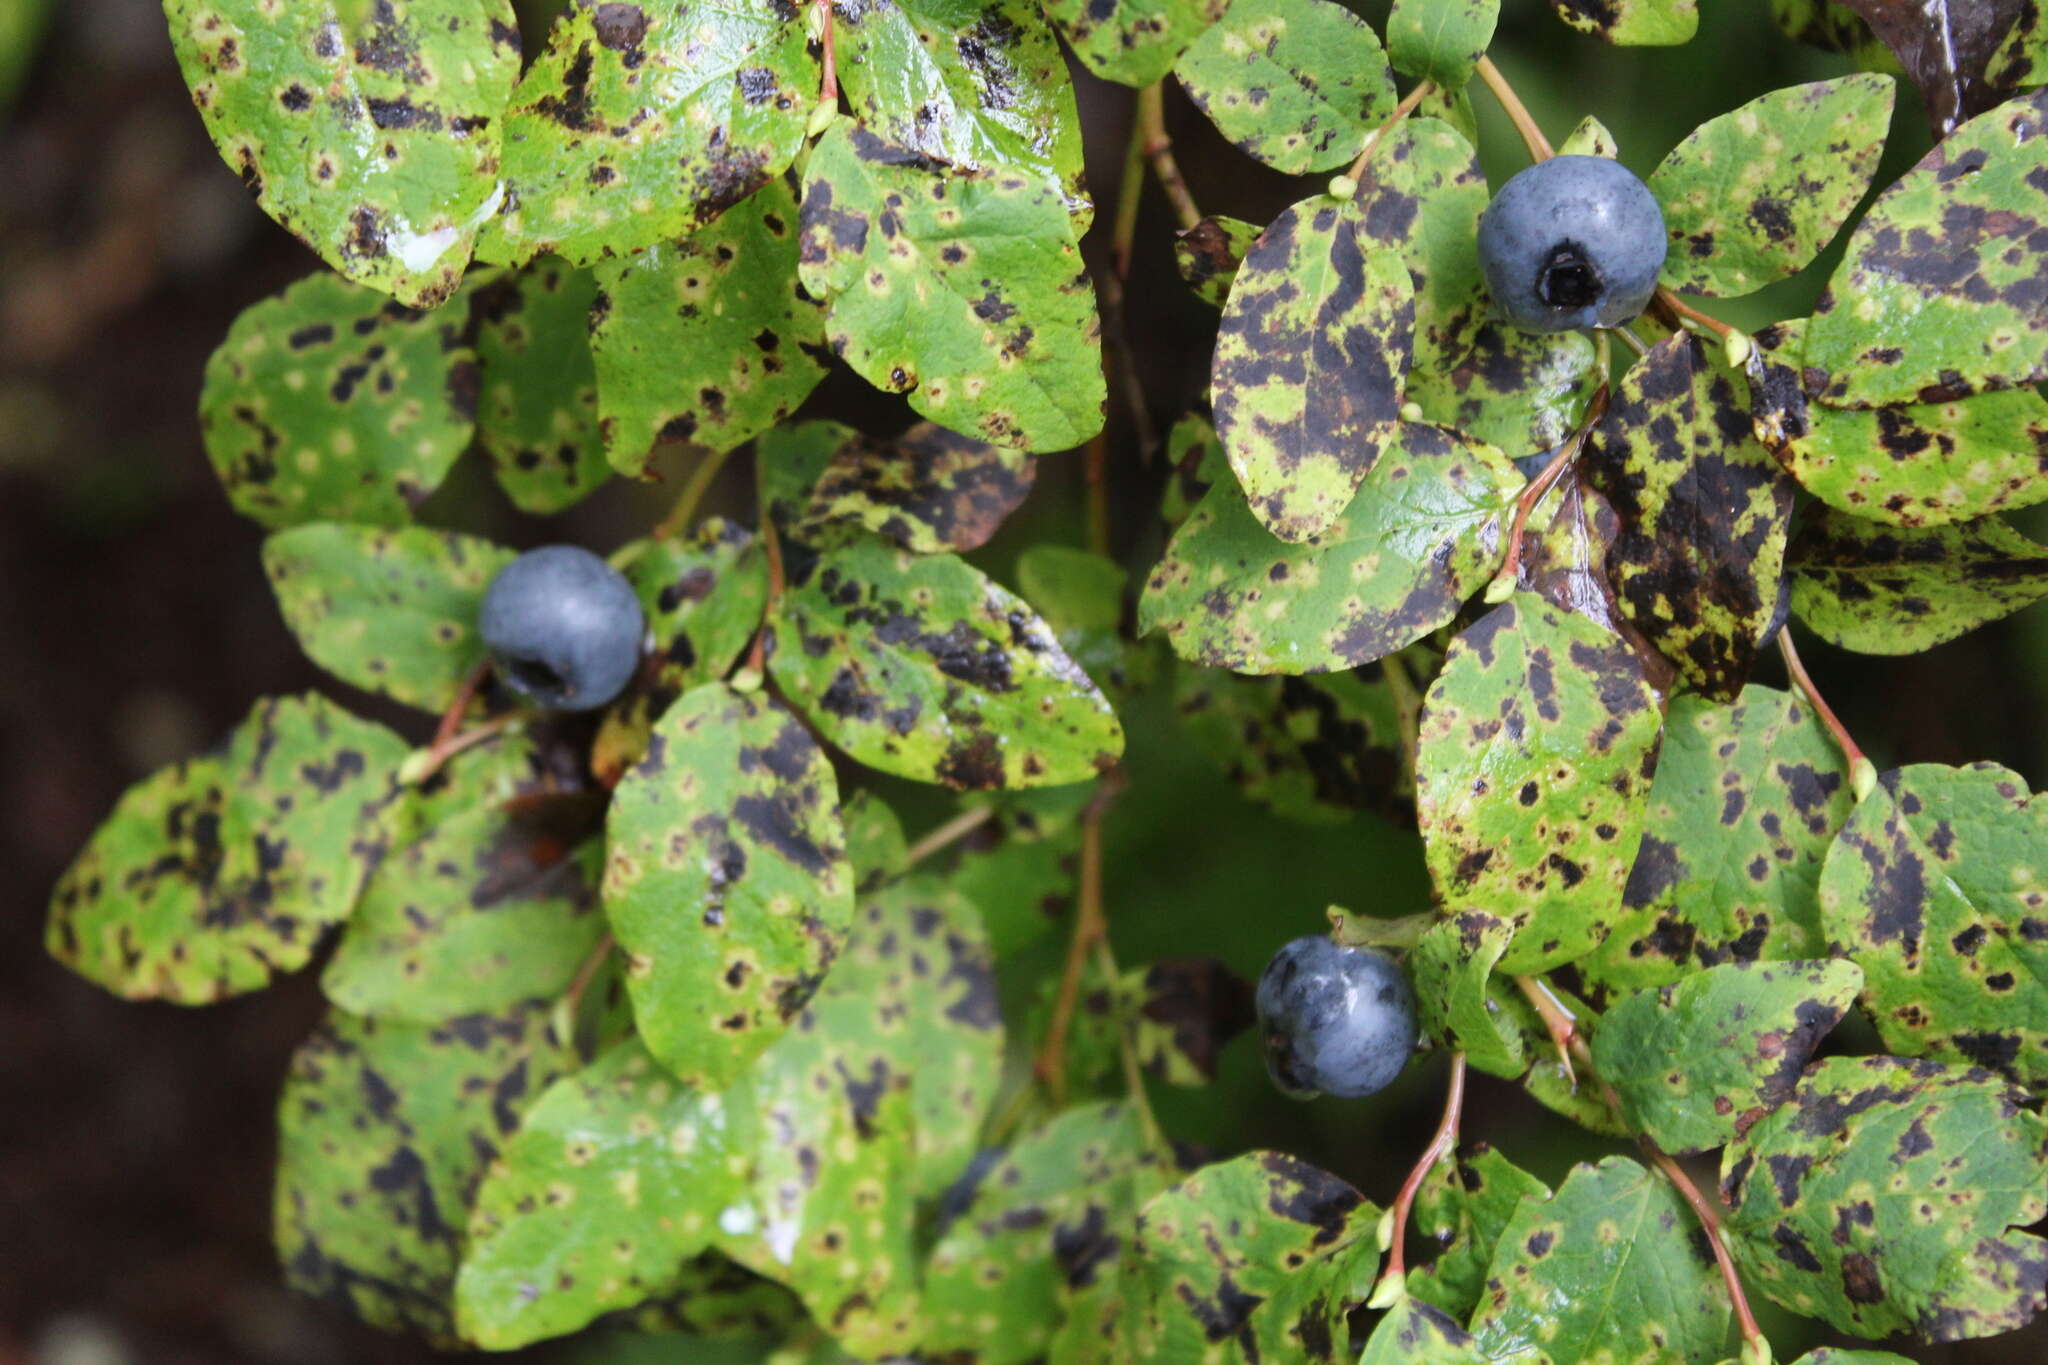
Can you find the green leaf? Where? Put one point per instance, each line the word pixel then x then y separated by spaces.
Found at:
pixel 1181 1012
pixel 928 489
pixel 1698 1063
pixel 708 339
pixel 1421 536
pixel 1440 40
pixel 1464 1202
pixel 1880 1196
pixel 1632 23
pixel 1590 138
pixel 1024 886
pixel 1452 968
pixel 1522 392
pixel 1306 383
pixel 1081 596
pixel 1881 589
pixel 923 667
pixel 1421 194
pixel 391 612
pixel 643 122
pixel 372 133
pixel 1132 42
pixel 329 401
pixel 1920 464
pixel 1753 195
pixel 1608 1268
pixel 1536 747
pixel 384 1131
pixel 1836 1355
pixel 1317 749
pixel 537 410
pixel 220 872
pixel 790 459
pixel 726 880
pixel 1294 84
pixel 1416 1333
pixel 2021 58
pixel 1703 509
pixel 1197 462
pixel 875 844
pixel 1450 106
pixel 1209 254
pixel 1934 887
pixel 1746 801
pixel 1944 290
pixel 964 290
pixel 1252 1259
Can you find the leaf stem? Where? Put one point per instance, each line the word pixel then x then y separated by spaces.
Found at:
pixel 572 999
pixel 677 522
pixel 955 829
pixel 1401 111
pixel 1091 926
pixel 424 764
pixel 757 657
pixel 828 84
pixel 1517 112
pixel 1393 1280
pixel 1130 192
pixel 1559 1022
pixel 1862 773
pixel 1504 582
pixel 1158 150
pixel 451 719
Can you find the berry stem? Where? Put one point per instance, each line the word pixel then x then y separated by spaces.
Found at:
pixel 1158 149
pixel 955 829
pixel 1393 1280
pixel 1401 111
pixel 424 764
pixel 451 719
pixel 677 522
pixel 1683 312
pixel 1517 112
pixel 828 84
pixel 1862 773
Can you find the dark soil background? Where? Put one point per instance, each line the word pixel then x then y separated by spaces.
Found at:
pixel 136 627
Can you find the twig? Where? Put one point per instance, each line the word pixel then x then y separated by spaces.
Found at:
pixel 1401 111
pixel 757 657
pixel 425 763
pixel 1393 1280
pixel 1862 773
pixel 828 85
pixel 1089 926
pixel 957 828
pixel 451 719
pixel 1130 192
pixel 572 998
pixel 1517 112
pixel 1159 151
pixel 677 522
pixel 1558 1022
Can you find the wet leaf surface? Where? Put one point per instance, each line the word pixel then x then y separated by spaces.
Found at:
pixel 1881 589
pixel 1951 51
pixel 537 409
pixel 928 489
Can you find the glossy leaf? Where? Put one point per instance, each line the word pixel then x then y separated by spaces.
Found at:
pixel 1081 596
pixel 1521 392
pixel 218 873
pixel 1451 968
pixel 1943 292
pixel 1294 84
pixel 1952 54
pixel 1880 1196
pixel 1632 23
pixel 964 290
pixel 371 132
pixel 1317 749
pixel 1132 42
pixel 1415 1332
pixel 1440 40
pixel 391 612
pixel 1306 383
pixel 1537 745
pixel 330 402
pixel 1209 254
pixel 1462 1206
pixel 924 668
pixel 928 489
pixel 1881 589
pixel 1935 888
pixel 1422 534
pixel 537 410
pixel 707 339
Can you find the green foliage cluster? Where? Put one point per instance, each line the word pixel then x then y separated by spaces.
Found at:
pixel 660 1021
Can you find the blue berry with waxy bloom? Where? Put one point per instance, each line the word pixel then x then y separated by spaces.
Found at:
pixel 1335 1020
pixel 1575 241
pixel 563 627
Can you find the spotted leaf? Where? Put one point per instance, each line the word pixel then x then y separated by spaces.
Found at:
pixel 1209 253
pixel 391 612
pixel 1608 1268
pixel 1422 534
pixel 1081 596
pixel 1952 52
pixel 1632 23
pixel 1464 1203
pixel 1589 137
pixel 788 462
pixel 1879 1199
pixel 643 122
pixel 726 880
pixel 1938 887
pixel 708 339
pixel 1024 885
pixel 1440 40
pixel 1181 1012
pixel 1753 195
pixel 1746 801
pixel 1522 392
pixel 875 843
pixel 331 402
pixel 1306 382
pixel 2021 57
pixel 1944 290
pixel 963 289
pixel 1317 749
pixel 1536 748
pixel 370 131
pixel 1704 513
pixel 1881 589
pixel 1294 84
pixel 1699 1062
pixel 537 409
pixel 1451 967
pixel 928 489
pixel 1132 42
pixel 923 667
pixel 1415 1332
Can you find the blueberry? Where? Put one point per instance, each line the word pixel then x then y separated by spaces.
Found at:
pixel 563 628
pixel 1336 1021
pixel 1575 241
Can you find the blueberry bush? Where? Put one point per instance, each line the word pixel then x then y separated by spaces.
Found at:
pixel 654 1018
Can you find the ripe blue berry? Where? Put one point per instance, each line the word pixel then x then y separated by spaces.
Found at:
pixel 1336 1021
pixel 1575 241
pixel 563 628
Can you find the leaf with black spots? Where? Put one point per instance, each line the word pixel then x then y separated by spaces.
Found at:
pixel 1537 744
pixel 1590 137
pixel 963 289
pixel 1440 40
pixel 1951 51
pixel 923 667
pixel 1881 589
pixel 875 843
pixel 643 122
pixel 1080 594
pixel 1415 1332
pixel 1318 748
pixel 1752 195
pixel 1025 886
pixel 928 489
pixel 1938 888
pixel 1462 1206
pixel 726 880
pixel 1944 290
pixel 391 612
pixel 1314 348
pixel 385 1129
pixel 1632 23
pixel 790 459
pixel 708 339
pixel 1882 1196
pixel 1422 534
pixel 537 406
pixel 220 872
pixel 1704 512
pixel 1451 967
pixel 1521 392
pixel 330 402
pixel 1197 462
pixel 1182 1012
pixel 1132 42
pixel 370 132
pixel 1209 254
pixel 1294 84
